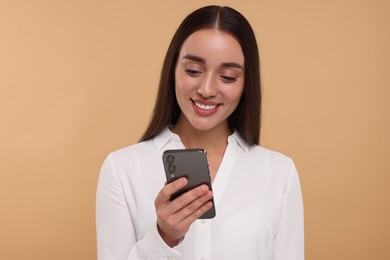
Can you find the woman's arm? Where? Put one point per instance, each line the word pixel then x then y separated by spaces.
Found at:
pixel 116 236
pixel 289 241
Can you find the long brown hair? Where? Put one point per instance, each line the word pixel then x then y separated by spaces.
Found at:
pixel 246 119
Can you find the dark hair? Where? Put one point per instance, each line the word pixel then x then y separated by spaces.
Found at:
pixel 246 118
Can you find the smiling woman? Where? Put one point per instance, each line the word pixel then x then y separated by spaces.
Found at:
pixel 209 98
pixel 209 80
pixel 246 118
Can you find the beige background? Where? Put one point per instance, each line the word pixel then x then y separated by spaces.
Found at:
pixel 78 80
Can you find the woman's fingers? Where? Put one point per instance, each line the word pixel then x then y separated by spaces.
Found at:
pixel 187 198
pixel 194 208
pixel 165 193
pixel 188 201
pixel 175 217
pixel 188 220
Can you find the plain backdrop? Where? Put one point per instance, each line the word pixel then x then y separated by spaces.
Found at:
pixel 78 79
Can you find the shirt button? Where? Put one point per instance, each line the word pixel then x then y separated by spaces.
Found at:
pixel 203 222
pixel 170 258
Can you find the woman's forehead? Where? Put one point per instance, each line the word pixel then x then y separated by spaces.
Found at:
pixel 213 45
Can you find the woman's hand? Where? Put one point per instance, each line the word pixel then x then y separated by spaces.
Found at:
pixel 174 218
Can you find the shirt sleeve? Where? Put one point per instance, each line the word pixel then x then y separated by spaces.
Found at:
pixel 289 241
pixel 116 235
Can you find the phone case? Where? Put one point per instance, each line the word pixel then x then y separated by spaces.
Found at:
pixel 192 164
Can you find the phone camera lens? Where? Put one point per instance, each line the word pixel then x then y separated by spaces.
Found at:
pixel 171 168
pixel 170 159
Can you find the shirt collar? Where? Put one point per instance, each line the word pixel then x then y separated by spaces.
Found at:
pixel 167 135
pixel 237 137
pixel 164 137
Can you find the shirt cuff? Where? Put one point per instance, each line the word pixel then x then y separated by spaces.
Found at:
pixel 154 247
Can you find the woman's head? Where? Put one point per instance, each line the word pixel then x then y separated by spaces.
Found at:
pixel 246 117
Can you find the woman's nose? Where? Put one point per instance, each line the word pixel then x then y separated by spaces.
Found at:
pixel 208 87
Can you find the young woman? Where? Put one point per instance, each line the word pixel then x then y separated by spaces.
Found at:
pixel 209 97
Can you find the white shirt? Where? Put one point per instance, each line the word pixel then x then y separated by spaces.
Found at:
pixel 257 195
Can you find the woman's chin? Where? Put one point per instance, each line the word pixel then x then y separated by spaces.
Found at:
pixel 205 126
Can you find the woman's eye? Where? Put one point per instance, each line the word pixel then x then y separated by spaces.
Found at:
pixel 192 73
pixel 228 79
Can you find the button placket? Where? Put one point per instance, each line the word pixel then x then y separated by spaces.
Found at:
pixel 203 239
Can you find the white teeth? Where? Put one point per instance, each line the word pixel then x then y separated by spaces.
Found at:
pixel 205 107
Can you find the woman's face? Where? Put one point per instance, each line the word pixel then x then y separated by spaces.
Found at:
pixel 209 78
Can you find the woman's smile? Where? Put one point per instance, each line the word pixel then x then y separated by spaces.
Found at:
pixel 204 108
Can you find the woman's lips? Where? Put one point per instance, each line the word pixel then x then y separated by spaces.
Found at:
pixel 204 108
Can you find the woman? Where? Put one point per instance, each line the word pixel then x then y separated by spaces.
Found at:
pixel 209 97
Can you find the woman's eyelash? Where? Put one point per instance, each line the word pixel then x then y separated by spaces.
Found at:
pixel 230 79
pixel 197 73
pixel 192 72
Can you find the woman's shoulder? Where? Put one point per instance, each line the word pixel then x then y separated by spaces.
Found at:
pixel 147 147
pixel 272 157
pixel 260 155
pixel 140 148
pixel 259 149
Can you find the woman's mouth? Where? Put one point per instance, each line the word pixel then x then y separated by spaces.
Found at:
pixel 203 108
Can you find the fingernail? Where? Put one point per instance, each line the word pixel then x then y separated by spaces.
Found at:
pixel 183 181
pixel 204 188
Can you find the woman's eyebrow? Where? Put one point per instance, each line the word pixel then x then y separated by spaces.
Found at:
pixel 232 65
pixel 194 58
pixel 203 61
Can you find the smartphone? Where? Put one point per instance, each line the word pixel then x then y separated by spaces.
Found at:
pixel 192 164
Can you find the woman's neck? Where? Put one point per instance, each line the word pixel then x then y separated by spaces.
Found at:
pixel 213 140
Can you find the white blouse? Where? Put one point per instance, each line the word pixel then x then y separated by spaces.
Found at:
pixel 257 195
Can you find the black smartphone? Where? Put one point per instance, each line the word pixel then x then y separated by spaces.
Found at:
pixel 192 164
